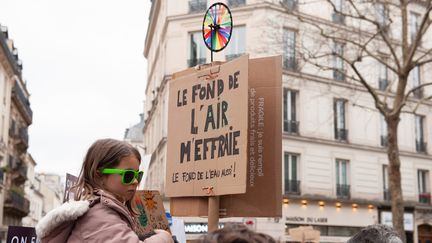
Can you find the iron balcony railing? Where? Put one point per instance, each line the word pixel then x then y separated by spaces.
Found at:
pixel 338 75
pixel 421 146
pixel 384 141
pixel 196 61
pixel 236 3
pixel 382 83
pixel 23 138
pixel 290 63
pixel 343 191
pixel 338 18
pixel 418 93
pixel 17 204
pixel 387 195
pixel 21 173
pixel 196 6
pixel 24 103
pixel 290 5
pixel 341 134
pixel 291 126
pixel 425 197
pixel 292 187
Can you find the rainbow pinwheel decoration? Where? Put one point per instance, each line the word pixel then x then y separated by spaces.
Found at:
pixel 217 27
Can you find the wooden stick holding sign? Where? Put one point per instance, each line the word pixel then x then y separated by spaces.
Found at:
pixel 213 210
pixel 213 213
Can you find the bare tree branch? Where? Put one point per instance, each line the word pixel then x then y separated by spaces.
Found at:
pixel 424 25
pixel 405 98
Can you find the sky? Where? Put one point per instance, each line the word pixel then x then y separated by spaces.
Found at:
pixel 85 70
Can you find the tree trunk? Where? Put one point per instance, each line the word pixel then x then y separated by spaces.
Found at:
pixel 395 176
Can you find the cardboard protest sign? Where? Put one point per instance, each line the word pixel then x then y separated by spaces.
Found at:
pixel 207 131
pixel 263 195
pixel 18 234
pixel 151 213
pixel 71 180
pixel 304 234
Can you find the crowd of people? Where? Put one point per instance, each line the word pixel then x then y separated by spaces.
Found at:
pixel 102 211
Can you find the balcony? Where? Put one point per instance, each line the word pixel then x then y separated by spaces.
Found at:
pixel 291 126
pixel 196 61
pixel 18 170
pixel 338 18
pixel 12 131
pixel 418 93
pixel 232 56
pixel 292 187
pixel 290 63
pixel 341 134
pixel 22 102
pixel 382 84
pixel 15 203
pixel 236 3
pixel 384 141
pixel 343 191
pixel 23 139
pixel 425 197
pixel 421 146
pixel 20 174
pixel 196 6
pixel 387 195
pixel 338 75
pixel 290 5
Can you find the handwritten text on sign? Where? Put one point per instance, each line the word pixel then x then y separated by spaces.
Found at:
pixel 207 132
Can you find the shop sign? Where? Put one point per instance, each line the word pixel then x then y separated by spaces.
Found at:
pixel 307 220
pixel 197 228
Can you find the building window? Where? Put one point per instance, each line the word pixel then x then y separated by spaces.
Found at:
pixel 338 65
pixel 197 49
pixel 291 180
pixel 196 6
pixel 381 15
pixel 236 3
pixel 382 76
pixel 290 125
pixel 386 189
pixel 289 40
pixel 342 179
pixel 419 133
pixel 236 46
pixel 341 133
pixel 337 16
pixel 415 79
pixel 423 186
pixel 414 25
pixel 384 131
pixel 290 5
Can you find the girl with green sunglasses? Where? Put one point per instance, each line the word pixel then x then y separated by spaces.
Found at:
pixel 102 211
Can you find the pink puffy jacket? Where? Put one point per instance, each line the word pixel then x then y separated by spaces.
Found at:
pixel 103 219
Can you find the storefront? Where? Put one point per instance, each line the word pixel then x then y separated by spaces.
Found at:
pixel 336 221
pixel 423 224
pixel 385 217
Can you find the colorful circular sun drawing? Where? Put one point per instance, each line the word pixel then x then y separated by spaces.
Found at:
pixel 217 27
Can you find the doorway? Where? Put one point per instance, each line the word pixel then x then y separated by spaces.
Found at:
pixel 424 233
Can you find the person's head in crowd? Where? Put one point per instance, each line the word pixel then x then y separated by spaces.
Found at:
pixel 376 234
pixel 236 233
pixel 110 165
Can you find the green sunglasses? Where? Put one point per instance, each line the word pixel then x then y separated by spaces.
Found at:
pixel 128 176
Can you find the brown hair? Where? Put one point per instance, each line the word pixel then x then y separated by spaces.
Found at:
pixel 236 233
pixel 104 153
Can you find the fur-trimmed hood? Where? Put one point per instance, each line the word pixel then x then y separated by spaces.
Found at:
pixel 66 213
